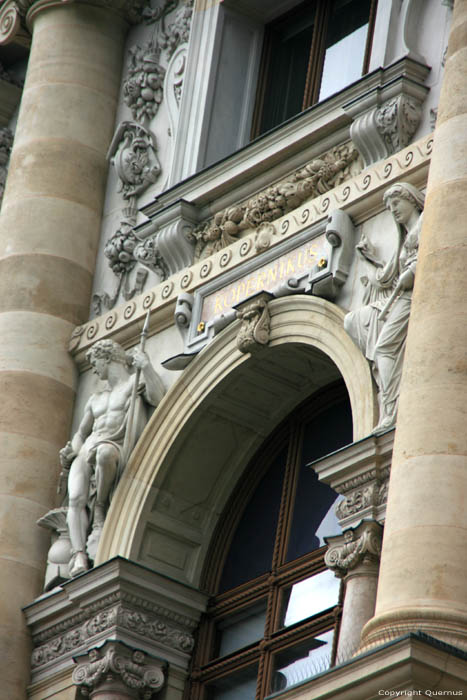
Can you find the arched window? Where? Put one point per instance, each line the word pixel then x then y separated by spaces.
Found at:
pixel 273 614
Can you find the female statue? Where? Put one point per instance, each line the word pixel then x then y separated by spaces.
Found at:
pixel 379 328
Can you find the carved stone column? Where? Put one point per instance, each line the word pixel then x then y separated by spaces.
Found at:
pixel 354 556
pixel 424 564
pixel 114 671
pixel 49 228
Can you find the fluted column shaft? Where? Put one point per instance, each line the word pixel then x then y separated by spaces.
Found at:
pixel 422 582
pixel 49 228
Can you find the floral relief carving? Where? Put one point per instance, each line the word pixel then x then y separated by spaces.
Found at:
pixel 143 86
pixel 317 177
pixel 147 625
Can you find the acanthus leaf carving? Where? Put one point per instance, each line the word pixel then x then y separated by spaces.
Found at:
pixel 397 121
pixel 316 178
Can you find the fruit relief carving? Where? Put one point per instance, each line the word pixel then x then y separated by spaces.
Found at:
pixel 143 88
pixel 379 327
pixel 317 177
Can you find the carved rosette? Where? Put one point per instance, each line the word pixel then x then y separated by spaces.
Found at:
pixel 255 318
pixel 116 665
pixel 360 545
pixel 316 178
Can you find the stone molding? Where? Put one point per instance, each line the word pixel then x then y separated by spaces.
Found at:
pixel 116 664
pixel 118 599
pixel 360 197
pixel 360 473
pixel 356 546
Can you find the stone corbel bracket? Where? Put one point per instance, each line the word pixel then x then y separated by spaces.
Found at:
pixel 360 473
pixel 255 318
pixel 170 228
pixel 356 546
pixel 386 118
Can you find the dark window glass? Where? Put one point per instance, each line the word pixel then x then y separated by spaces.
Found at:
pixel 314 500
pixel 273 581
pixel 250 553
pixel 310 53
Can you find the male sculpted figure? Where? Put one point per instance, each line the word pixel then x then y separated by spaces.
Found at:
pixel 96 449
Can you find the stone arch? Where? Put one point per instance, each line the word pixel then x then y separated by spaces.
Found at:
pixel 211 422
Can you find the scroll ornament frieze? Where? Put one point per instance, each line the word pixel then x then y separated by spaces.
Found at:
pixel 114 661
pixel 317 177
pixel 6 142
pixel 379 327
pixel 356 546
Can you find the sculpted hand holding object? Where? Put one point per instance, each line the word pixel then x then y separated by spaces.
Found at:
pixel 95 456
pixel 379 328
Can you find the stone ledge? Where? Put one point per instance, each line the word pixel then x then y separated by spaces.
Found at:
pixel 405 667
pixel 116 600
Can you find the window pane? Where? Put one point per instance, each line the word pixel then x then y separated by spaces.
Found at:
pixel 238 686
pixel 345 45
pixel 313 516
pixel 309 597
pixel 241 629
pixel 302 661
pixel 250 554
pixel 290 44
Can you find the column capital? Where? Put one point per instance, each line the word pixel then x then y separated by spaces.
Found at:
pixel 14 13
pixel 116 664
pixel 356 546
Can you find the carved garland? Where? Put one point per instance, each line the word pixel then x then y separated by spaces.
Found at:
pixel 316 178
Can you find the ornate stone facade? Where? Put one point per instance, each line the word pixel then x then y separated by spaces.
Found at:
pixel 254 331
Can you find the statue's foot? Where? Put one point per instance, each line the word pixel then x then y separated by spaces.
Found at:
pixel 78 564
pixel 93 541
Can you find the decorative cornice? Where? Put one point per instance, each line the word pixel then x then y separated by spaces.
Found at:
pixel 114 661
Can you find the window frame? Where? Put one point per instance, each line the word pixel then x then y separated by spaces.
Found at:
pixel 270 586
pixel 315 57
